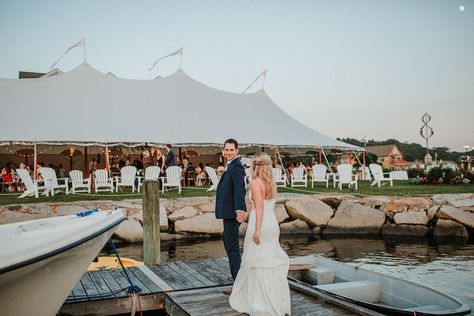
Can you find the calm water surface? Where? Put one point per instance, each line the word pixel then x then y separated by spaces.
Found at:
pixel 446 266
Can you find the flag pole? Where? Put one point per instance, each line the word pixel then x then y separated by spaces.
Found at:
pixel 181 60
pixel 85 52
pixel 264 78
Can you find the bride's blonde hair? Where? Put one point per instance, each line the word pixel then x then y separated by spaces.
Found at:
pixel 262 168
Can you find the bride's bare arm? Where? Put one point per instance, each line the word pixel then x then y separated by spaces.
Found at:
pixel 258 203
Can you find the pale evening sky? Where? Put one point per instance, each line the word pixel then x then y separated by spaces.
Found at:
pixel 344 68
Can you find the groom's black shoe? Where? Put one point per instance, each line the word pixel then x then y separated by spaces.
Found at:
pixel 228 292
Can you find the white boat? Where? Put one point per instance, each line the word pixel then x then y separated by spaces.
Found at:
pixel 42 260
pixel 372 290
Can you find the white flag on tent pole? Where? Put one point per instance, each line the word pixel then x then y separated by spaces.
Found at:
pixel 178 52
pixel 263 74
pixel 81 43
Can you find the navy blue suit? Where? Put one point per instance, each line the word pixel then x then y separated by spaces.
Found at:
pixel 230 197
pixel 169 159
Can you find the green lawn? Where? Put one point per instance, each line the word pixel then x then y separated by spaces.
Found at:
pixel 400 188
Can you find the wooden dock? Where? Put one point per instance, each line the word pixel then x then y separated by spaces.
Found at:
pixel 180 287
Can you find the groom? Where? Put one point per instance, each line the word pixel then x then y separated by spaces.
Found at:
pixel 230 203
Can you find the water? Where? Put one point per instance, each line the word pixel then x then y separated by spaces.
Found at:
pixel 448 267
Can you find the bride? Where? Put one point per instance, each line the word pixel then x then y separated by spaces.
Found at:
pixel 261 287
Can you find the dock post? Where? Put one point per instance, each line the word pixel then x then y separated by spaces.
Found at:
pixel 151 222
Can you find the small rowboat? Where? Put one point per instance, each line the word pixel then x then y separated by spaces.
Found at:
pixel 372 290
pixel 41 260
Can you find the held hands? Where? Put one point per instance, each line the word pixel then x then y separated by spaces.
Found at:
pixel 256 237
pixel 242 217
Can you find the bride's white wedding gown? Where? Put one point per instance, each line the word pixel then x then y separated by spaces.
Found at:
pixel 261 287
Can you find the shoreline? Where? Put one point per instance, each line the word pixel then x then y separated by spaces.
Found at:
pixel 438 216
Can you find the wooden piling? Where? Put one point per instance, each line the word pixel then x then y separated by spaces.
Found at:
pixel 151 222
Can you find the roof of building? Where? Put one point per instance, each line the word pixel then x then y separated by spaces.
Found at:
pixel 381 150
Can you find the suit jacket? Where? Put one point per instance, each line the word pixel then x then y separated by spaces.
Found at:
pixel 169 159
pixel 230 195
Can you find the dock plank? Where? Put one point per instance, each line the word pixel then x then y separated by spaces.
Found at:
pixel 100 284
pixel 79 292
pixel 89 286
pixel 195 273
pixel 224 270
pixel 213 302
pixel 205 267
pixel 120 279
pixel 215 278
pixel 111 283
pixel 185 274
pixel 177 282
pixel 152 286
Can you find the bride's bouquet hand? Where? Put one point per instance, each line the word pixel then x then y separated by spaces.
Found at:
pixel 256 237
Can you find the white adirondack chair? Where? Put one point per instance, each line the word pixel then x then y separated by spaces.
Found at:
pixel 379 175
pixel 299 177
pixel 103 183
pixel 319 174
pixel 280 177
pixel 211 172
pixel 151 173
pixel 127 177
pixel 51 182
pixel 345 176
pixel 172 179
pixel 31 186
pixel 79 184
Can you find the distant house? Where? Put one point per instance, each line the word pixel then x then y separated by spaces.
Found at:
pixel 389 156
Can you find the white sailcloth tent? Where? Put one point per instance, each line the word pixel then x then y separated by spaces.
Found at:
pixel 86 107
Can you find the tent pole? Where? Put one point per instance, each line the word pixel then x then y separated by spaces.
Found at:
pixel 281 162
pixel 35 162
pixel 363 158
pixel 275 155
pixel 325 158
pixel 106 157
pixel 320 154
pixel 357 157
pixel 86 171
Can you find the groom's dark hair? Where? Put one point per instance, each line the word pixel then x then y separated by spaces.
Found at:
pixel 232 141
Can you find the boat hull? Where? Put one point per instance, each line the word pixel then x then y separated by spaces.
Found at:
pixel 42 287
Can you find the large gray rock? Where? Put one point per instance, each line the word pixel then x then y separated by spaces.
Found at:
pixel 404 230
pixel 352 218
pixel 312 211
pixel 295 227
pixel 334 200
pixel 138 214
pixel 432 211
pixel 62 210
pixel 375 201
pixel 462 203
pixel 448 228
pixel 280 213
pixel 202 224
pixel 204 203
pixel 406 203
pixel 411 218
pixel 8 217
pixel 130 230
pixel 40 208
pixel 452 213
pixel 444 198
pixel 185 212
